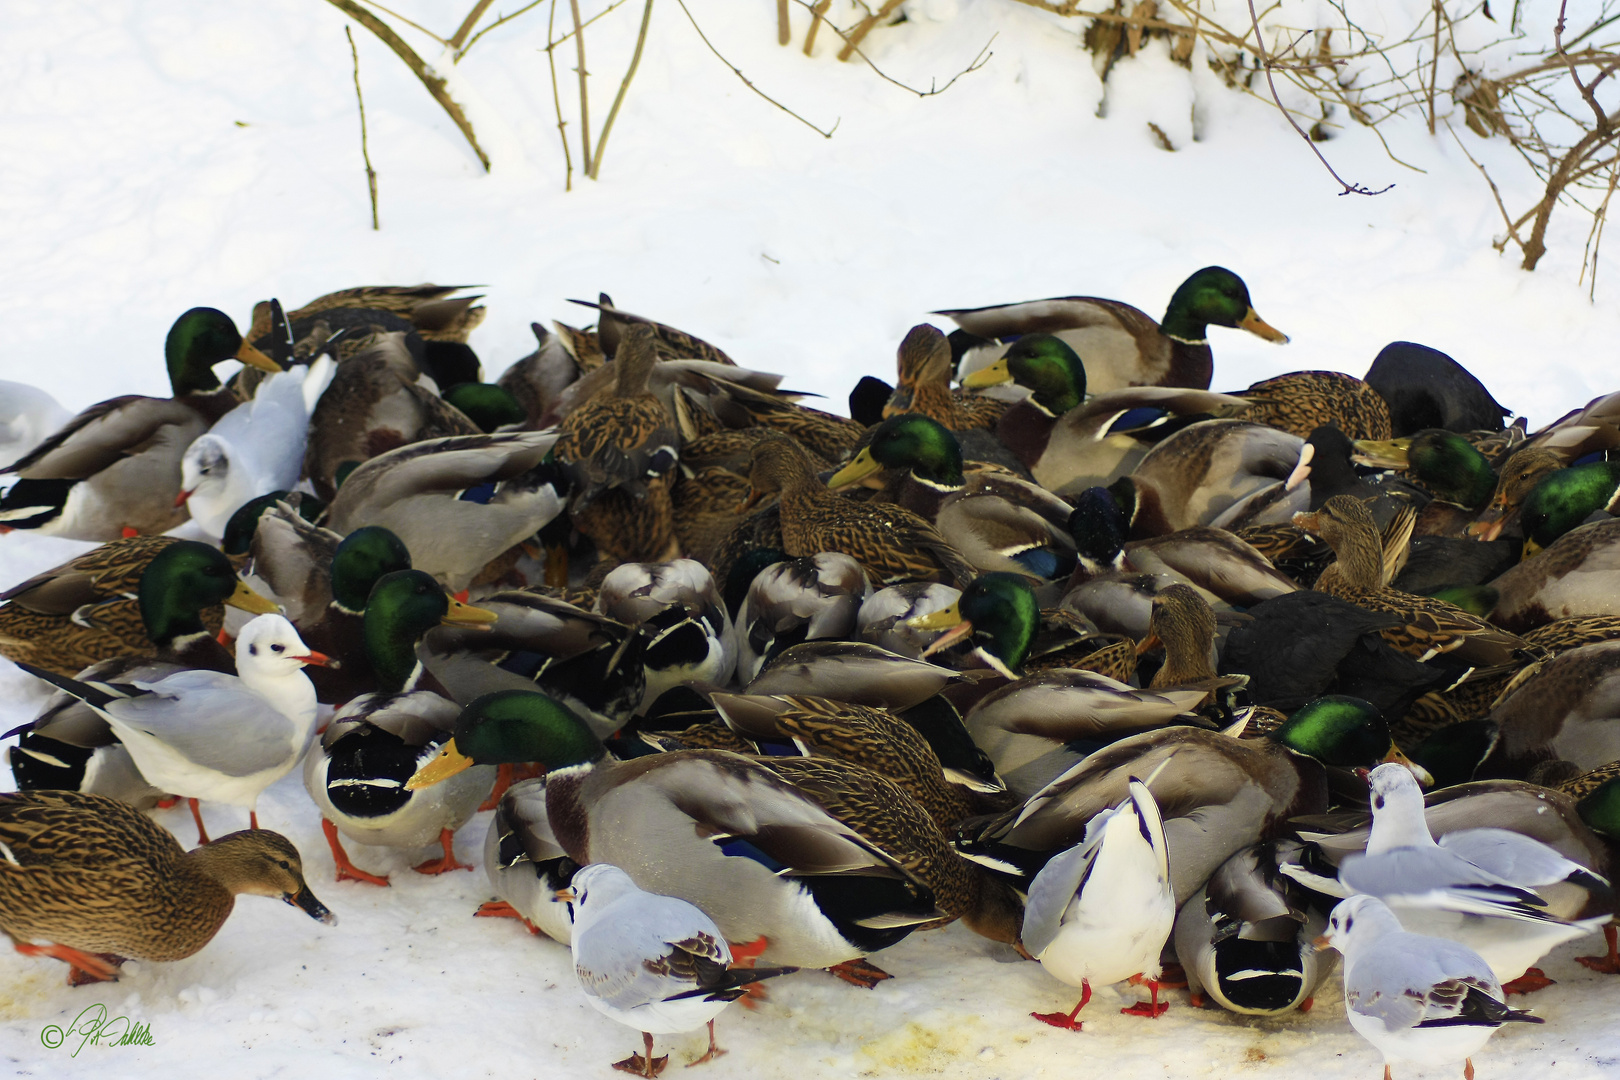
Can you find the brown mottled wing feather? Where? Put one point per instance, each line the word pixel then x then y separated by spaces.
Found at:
pixel 1302 401
pixel 891 542
pixel 1429 626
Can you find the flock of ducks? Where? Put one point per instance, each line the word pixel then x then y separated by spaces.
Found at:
pixel 1142 680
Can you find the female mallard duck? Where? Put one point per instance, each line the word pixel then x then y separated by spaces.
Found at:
pixel 144 596
pixel 1302 401
pixel 1520 473
pixel 115 467
pixel 890 542
pixel 924 385
pixel 1579 574
pixel 1122 345
pixel 1428 627
pixel 1212 473
pixel 376 402
pixel 456 503
pixel 1213 560
pixel 794 600
pixel 1063 437
pixel 613 328
pixel 103 883
pixel 1219 794
pixel 685 629
pixel 619 451
pixel 717 829
pixel 997 521
pixel 436 313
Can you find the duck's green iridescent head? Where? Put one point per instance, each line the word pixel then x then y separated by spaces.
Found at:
pixel 1045 365
pixel 1601 809
pixel 487 405
pixel 1452 753
pixel 244 522
pixel 363 557
pixel 1566 498
pixel 1449 466
pixel 999 611
pixel 198 340
pixel 511 727
pixel 1099 527
pixel 184 578
pixel 1214 295
pixel 1339 730
pixel 909 441
pixel 403 606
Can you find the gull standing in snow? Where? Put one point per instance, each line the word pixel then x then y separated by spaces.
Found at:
pixel 1417 999
pixel 1103 909
pixel 1476 887
pixel 654 963
pixel 207 735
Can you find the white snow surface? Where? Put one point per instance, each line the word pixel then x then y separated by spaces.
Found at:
pixel 163 154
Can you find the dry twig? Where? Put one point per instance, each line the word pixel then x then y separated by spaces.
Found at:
pixel 738 72
pixel 365 154
pixel 556 97
pixel 584 99
pixel 635 61
pixel 819 11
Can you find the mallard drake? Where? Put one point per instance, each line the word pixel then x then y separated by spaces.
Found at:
pixel 1213 560
pixel 795 600
pixel 997 613
pixel 375 402
pixel 1218 794
pixel 997 521
pixel 144 596
pixel 1246 938
pixel 715 829
pixel 850 671
pixel 188 732
pixel 686 631
pixel 255 448
pixel 924 385
pixel 455 503
pixel 1065 438
pixel 116 465
pixel 1209 474
pixel 589 661
pixel 1116 928
pixel 618 452
pixel 378 740
pixel 1447 465
pixel 1302 401
pixel 102 883
pixel 1428 627
pixel 1425 388
pixel 1565 499
pixel 890 542
pixel 1121 345
pixel 655 963
pixel 1574 576
pixel 525 864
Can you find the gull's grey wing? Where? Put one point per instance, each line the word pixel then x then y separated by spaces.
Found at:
pixel 211 719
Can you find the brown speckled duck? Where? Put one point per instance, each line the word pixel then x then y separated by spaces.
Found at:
pixel 99 882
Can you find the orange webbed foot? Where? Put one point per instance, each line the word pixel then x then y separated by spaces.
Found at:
pixel 1532 980
pixel 446 863
pixel 860 973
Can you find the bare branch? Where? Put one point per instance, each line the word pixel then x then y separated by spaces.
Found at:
pixel 556 97
pixel 431 79
pixel 584 98
pixel 365 154
pixel 468 23
pixel 392 14
pixel 624 87
pixel 738 72
pixel 819 10
pixel 465 49
pixel 864 27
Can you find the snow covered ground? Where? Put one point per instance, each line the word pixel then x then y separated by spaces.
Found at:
pixel 161 155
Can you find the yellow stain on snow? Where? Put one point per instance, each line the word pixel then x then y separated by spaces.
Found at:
pixel 918 1047
pixel 22 993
